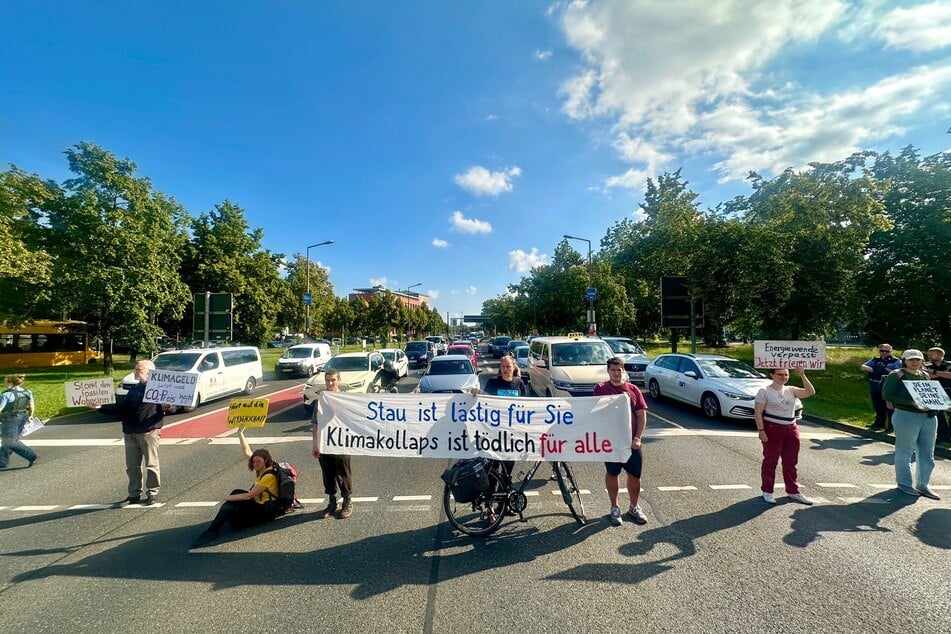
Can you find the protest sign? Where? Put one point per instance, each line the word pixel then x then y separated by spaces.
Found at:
pixel 90 392
pixel 805 355
pixel 928 394
pixel 175 388
pixel 247 412
pixel 594 428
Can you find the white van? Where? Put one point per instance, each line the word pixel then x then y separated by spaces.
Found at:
pixel 302 360
pixel 223 371
pixel 567 366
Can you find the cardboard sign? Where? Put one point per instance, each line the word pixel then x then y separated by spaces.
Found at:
pixel 90 392
pixel 928 394
pixel 247 412
pixel 807 355
pixel 176 388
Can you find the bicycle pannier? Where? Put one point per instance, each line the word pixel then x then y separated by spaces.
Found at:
pixel 467 479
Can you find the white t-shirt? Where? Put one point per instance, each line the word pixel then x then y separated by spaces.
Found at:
pixel 781 404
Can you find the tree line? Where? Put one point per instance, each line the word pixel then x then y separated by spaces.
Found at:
pixel 108 248
pixel 859 245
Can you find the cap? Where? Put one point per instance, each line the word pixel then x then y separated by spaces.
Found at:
pixel 936 349
pixel 911 353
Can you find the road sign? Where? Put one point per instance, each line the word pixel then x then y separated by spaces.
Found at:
pixel 220 306
pixel 675 304
pixel 307 298
pixel 592 294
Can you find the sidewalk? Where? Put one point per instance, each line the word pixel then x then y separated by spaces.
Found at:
pixel 943 452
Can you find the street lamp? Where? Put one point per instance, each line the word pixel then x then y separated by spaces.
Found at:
pixel 592 321
pixel 307 262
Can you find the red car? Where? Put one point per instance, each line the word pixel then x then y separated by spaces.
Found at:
pixel 466 349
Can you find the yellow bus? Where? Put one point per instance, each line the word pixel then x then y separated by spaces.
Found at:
pixel 44 343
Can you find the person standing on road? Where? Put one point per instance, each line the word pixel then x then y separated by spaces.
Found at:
pixel 616 384
pixel 334 469
pixel 507 383
pixel 777 409
pixel 877 369
pixel 939 369
pixel 141 431
pixel 915 427
pixel 17 406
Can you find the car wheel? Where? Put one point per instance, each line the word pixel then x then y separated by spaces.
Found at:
pixel 711 405
pixel 654 388
pixel 249 386
pixel 310 371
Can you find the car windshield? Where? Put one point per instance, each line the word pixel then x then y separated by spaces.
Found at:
pixel 466 350
pixel 522 352
pixel 348 364
pixel 416 346
pixel 728 369
pixel 623 346
pixel 176 362
pixel 580 353
pixel 296 353
pixel 450 366
pixel 389 355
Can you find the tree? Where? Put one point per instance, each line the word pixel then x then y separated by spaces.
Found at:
pixel 291 309
pixel 116 245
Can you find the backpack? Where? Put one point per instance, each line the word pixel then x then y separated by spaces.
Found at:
pixel 286 476
pixel 20 403
pixel 467 479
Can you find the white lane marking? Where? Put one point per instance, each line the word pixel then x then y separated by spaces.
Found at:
pixel 940 487
pixel 412 498
pixel 531 494
pixel 197 504
pixel 864 500
pixel 729 487
pixel 836 485
pixel 143 506
pixel 83 507
pixel 365 499
pixel 48 507
pixel 581 492
pixel 4 508
pixel 311 500
pixel 686 488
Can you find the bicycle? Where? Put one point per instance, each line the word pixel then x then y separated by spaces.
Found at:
pixel 483 515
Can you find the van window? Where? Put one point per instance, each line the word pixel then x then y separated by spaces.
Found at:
pixel 238 357
pixel 210 362
pixel 176 361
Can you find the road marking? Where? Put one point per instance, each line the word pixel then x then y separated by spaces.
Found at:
pixel 4 508
pixel 143 506
pixel 49 507
pixel 311 500
pixel 414 508
pixel 412 498
pixel 84 507
pixel 836 485
pixel 864 500
pixel 581 492
pixel 941 487
pixel 197 504
pixel 686 488
pixel 365 499
pixel 729 487
pixel 531 494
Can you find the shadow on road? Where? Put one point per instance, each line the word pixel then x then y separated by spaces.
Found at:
pixel 840 444
pixel 809 523
pixel 934 528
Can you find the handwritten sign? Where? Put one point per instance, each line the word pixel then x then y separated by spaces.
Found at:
pixel 176 388
pixel 247 412
pixel 591 428
pixel 928 394
pixel 90 392
pixel 807 355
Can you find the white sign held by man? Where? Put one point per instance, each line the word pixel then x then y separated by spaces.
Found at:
pixel 175 388
pixel 928 394
pixel 804 355
pixel 90 392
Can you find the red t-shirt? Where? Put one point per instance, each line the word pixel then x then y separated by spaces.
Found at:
pixel 637 398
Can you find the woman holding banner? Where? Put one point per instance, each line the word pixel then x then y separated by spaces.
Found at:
pixel 915 427
pixel 248 508
pixel 778 407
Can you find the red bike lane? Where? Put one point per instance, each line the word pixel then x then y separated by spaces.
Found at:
pixel 215 423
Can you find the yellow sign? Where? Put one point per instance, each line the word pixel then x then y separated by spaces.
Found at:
pixel 247 412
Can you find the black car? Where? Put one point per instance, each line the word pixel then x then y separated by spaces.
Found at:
pixel 419 353
pixel 497 345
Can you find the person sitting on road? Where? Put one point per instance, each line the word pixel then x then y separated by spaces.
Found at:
pixel 248 508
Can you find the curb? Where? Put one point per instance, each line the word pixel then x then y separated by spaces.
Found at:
pixel 867 433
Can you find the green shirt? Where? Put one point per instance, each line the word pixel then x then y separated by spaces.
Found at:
pixel 894 390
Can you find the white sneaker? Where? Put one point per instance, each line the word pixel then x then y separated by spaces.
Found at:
pixel 802 499
pixel 616 516
pixel 769 498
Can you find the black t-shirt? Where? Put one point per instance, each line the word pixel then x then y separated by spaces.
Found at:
pixel 497 386
pixel 944 366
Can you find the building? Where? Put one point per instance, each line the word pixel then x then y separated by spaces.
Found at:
pixel 409 298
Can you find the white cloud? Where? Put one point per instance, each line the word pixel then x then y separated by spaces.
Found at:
pixel 523 262
pixel 469 225
pixel 718 87
pixel 432 294
pixel 471 290
pixel 379 281
pixel 542 56
pixel 639 215
pixel 442 244
pixel 455 291
pixel 481 182
pixel 491 117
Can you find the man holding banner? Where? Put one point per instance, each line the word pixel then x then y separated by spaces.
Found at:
pixel 334 469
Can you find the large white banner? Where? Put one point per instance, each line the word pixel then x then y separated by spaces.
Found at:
pixel 591 428
pixel 807 355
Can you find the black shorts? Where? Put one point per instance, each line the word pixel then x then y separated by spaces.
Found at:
pixel 632 466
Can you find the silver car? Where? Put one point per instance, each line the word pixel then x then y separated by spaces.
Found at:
pixel 449 373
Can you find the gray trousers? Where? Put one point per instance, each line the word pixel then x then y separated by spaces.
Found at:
pixel 141 448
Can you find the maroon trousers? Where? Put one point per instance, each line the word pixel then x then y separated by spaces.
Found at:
pixel 782 441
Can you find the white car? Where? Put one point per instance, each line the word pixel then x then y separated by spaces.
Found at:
pixel 357 372
pixel 635 361
pixel 399 359
pixel 438 343
pixel 449 373
pixel 720 386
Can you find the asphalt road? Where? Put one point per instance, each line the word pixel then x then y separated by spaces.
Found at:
pixel 712 558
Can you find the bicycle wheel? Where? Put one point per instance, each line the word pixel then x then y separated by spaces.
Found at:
pixel 483 515
pixel 570 492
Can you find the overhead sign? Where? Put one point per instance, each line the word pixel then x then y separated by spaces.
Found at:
pixel 807 355
pixel 220 307
pixel 247 412
pixel 587 428
pixel 90 392
pixel 675 303
pixel 174 388
pixel 928 394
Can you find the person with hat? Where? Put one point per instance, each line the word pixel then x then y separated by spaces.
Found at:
pixel 939 369
pixel 877 369
pixel 915 426
pixel 17 406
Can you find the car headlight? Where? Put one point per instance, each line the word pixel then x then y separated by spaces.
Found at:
pixel 736 395
pixel 355 385
pixel 563 385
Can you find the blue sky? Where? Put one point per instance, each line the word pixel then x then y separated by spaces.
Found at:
pixel 452 144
